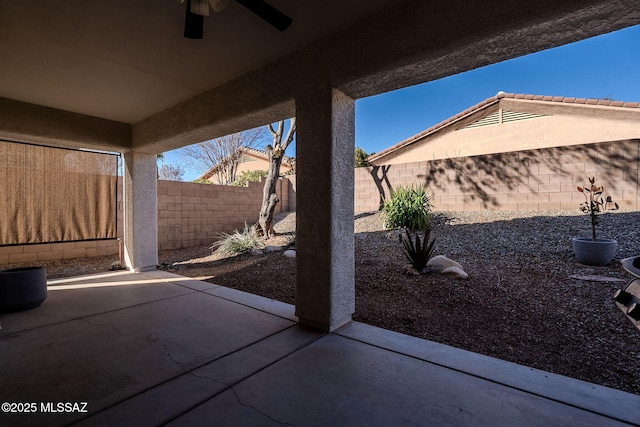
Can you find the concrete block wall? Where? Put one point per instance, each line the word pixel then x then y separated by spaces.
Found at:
pixel 192 214
pixel 189 214
pixel 55 251
pixel 291 193
pixel 544 179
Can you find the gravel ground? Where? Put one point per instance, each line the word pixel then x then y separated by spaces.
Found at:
pixel 527 300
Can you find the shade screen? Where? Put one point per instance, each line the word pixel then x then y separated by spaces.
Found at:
pixel 56 195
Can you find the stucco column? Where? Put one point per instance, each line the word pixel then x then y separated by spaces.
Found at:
pixel 325 285
pixel 140 211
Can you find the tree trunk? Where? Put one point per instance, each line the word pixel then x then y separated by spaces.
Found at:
pixel 269 196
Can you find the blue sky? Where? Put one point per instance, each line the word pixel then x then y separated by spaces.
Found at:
pixel 604 66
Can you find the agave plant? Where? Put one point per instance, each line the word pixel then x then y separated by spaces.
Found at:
pixel 420 252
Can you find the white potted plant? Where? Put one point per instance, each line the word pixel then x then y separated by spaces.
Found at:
pixel 594 250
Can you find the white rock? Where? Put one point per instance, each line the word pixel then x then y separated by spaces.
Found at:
pixel 290 253
pixel 394 235
pixel 440 262
pixel 455 272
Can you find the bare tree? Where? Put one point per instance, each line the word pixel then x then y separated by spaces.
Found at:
pixel 222 154
pixel 275 154
pixel 170 173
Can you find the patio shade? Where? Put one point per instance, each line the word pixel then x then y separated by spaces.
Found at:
pixel 56 195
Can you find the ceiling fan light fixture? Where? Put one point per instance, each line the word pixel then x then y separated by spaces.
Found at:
pixel 200 7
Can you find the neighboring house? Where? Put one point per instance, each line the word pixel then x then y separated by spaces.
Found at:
pixel 250 160
pixel 511 122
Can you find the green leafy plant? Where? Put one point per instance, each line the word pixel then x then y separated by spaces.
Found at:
pixel 238 242
pixel 360 157
pixel 409 207
pixel 246 176
pixel 595 204
pixel 420 252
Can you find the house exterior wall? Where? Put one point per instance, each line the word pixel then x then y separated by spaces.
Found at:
pixel 189 214
pixel 542 179
pixel 561 126
pixel 250 163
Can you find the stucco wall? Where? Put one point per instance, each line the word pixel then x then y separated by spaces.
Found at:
pixel 254 164
pixel 258 164
pixel 526 180
pixel 560 125
pixel 189 214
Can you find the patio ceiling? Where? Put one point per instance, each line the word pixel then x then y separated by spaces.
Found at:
pixel 127 61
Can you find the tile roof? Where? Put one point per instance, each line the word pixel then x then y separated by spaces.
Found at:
pixel 495 99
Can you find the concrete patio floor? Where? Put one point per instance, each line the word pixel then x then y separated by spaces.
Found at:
pixel 156 348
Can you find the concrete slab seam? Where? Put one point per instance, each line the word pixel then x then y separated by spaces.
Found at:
pixel 241 380
pixel 487 379
pixel 193 374
pixel 248 305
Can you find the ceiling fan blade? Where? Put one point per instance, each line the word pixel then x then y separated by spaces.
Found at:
pixel 268 13
pixel 193 24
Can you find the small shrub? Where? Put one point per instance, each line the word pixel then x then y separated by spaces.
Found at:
pixel 409 207
pixel 239 242
pixel 246 176
pixel 419 253
pixel 201 181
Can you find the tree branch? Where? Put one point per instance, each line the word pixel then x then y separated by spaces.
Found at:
pixel 290 134
pixel 272 131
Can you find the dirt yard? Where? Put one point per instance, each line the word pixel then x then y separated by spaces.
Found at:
pixel 526 300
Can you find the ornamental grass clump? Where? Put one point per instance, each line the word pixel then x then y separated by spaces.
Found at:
pixel 409 207
pixel 595 204
pixel 238 242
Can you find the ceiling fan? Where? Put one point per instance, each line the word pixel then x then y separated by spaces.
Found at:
pixel 198 9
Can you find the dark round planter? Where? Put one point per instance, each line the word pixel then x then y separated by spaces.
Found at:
pixel 599 252
pixel 22 288
pixel 632 265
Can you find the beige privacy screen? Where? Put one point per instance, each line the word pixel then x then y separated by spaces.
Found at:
pixel 56 195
